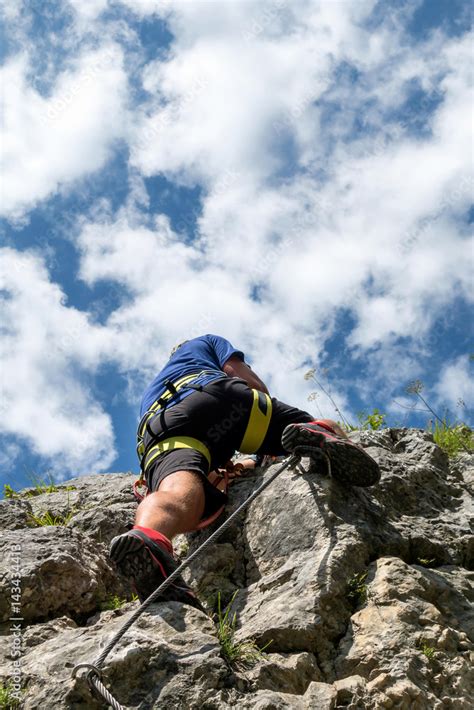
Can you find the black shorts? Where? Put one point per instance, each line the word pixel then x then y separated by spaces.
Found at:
pixel 218 417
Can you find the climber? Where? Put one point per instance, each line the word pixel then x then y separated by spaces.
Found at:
pixel 203 405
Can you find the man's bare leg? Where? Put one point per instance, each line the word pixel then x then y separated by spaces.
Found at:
pixel 176 507
pixel 145 553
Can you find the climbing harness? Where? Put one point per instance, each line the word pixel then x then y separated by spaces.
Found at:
pixel 257 425
pixel 259 421
pixel 255 432
pixel 176 442
pixel 147 455
pixel 159 406
pixel 94 676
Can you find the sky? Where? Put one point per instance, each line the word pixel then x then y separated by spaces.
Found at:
pixel 294 176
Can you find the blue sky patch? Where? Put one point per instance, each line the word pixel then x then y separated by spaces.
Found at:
pixel 347 160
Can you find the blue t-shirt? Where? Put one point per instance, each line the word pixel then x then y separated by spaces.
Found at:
pixel 207 353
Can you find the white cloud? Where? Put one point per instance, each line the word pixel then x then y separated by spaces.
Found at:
pixel 236 72
pixel 455 383
pixel 88 10
pixel 46 345
pixel 10 9
pixel 147 7
pixel 164 308
pixel 303 214
pixel 211 116
pixel 50 141
pixel 378 234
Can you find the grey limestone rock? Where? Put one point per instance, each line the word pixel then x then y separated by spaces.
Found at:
pixel 287 673
pixel 15 514
pixel 171 652
pixel 320 695
pixel 61 572
pixel 100 506
pixel 364 596
pixel 416 625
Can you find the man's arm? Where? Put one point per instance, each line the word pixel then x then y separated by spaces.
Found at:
pixel 235 367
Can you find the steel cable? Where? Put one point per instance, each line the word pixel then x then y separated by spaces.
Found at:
pixel 94 676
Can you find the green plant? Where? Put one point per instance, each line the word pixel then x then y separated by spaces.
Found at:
pixel 47 486
pixel 426 649
pixel 426 563
pixel 8 698
pixel 452 438
pixel 43 487
pixel 116 602
pixel 39 486
pixel 367 420
pixel 8 491
pixel 50 519
pixel 235 652
pixel 357 588
pixel 374 420
pixel 112 602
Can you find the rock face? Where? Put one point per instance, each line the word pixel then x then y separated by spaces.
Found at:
pixel 62 572
pixel 362 596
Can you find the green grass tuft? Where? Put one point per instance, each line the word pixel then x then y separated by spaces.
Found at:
pixel 373 421
pixel 453 438
pixel 425 562
pixel 235 652
pixel 113 602
pixel 116 602
pixel 9 492
pixel 357 589
pixel 38 488
pixel 40 485
pixel 8 699
pixel 426 649
pixel 50 519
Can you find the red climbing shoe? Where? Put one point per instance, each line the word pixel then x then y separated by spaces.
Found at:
pixel 350 464
pixel 147 563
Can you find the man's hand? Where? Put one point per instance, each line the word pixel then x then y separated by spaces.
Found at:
pixel 236 469
pixel 235 367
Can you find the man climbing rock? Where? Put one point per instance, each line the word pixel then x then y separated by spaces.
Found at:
pixel 205 404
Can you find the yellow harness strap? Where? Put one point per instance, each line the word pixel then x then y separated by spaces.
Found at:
pixel 177 442
pixel 156 406
pixel 258 423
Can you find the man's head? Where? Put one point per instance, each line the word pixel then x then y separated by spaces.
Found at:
pixel 176 347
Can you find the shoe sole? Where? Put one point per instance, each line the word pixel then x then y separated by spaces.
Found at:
pixel 135 560
pixel 350 465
